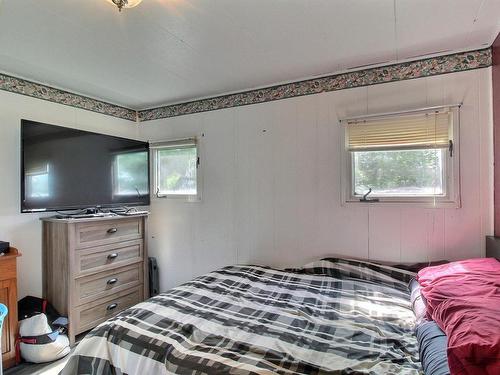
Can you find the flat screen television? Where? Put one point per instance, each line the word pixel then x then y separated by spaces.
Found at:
pixel 70 169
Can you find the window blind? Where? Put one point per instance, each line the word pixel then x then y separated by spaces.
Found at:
pixel 179 143
pixel 416 130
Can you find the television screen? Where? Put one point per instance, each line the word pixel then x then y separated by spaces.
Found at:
pixel 69 169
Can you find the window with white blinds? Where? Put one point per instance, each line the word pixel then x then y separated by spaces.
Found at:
pixel 418 130
pixel 403 157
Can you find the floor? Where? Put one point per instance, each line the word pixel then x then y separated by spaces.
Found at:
pixel 52 368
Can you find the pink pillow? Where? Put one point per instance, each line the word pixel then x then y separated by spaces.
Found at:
pixel 464 299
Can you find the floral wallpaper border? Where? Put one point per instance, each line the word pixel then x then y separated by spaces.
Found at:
pixel 402 71
pixel 37 90
pixel 397 72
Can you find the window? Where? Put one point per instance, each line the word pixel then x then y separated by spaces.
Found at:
pixel 176 169
pixel 403 157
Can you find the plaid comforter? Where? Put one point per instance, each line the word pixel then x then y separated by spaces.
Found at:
pixel 333 316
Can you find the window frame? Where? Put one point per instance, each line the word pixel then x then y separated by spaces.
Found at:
pixel 451 172
pixel 155 148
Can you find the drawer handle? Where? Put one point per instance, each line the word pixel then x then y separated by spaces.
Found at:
pixel 112 256
pixel 112 230
pixel 112 281
pixel 112 306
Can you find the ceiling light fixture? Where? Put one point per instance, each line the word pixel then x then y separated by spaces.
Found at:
pixel 125 3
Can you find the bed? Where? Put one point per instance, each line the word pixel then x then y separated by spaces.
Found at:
pixel 333 316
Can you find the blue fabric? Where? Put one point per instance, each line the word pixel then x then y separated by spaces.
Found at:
pixel 3 313
pixel 61 322
pixel 432 343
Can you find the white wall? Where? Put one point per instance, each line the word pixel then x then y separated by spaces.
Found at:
pixel 271 191
pixel 24 230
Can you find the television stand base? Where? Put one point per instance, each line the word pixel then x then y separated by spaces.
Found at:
pixel 85 216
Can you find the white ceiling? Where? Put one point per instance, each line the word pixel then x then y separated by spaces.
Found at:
pixel 166 51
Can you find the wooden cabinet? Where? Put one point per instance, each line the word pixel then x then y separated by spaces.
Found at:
pixel 8 296
pixel 94 268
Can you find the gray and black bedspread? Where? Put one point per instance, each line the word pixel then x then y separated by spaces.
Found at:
pixel 333 316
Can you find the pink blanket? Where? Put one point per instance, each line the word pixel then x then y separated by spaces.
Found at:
pixel 464 299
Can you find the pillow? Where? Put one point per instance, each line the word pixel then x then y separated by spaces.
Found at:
pixel 432 343
pixel 418 304
pixel 415 267
pixel 463 298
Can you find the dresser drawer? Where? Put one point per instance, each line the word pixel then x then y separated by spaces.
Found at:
pixel 90 315
pixel 103 284
pixel 108 231
pixel 104 258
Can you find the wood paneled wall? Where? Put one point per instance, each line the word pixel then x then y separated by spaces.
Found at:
pixel 24 231
pixel 496 127
pixel 271 184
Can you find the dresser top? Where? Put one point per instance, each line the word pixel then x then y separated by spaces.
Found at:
pixel 13 253
pixel 54 219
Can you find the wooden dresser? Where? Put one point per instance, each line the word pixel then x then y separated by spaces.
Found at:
pixel 8 296
pixel 94 268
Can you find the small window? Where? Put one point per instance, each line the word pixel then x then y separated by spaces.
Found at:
pixel 176 169
pixel 404 157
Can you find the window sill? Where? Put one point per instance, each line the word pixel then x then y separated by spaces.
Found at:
pixel 179 197
pixel 421 203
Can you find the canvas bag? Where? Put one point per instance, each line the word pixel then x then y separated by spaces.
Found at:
pixel 41 332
